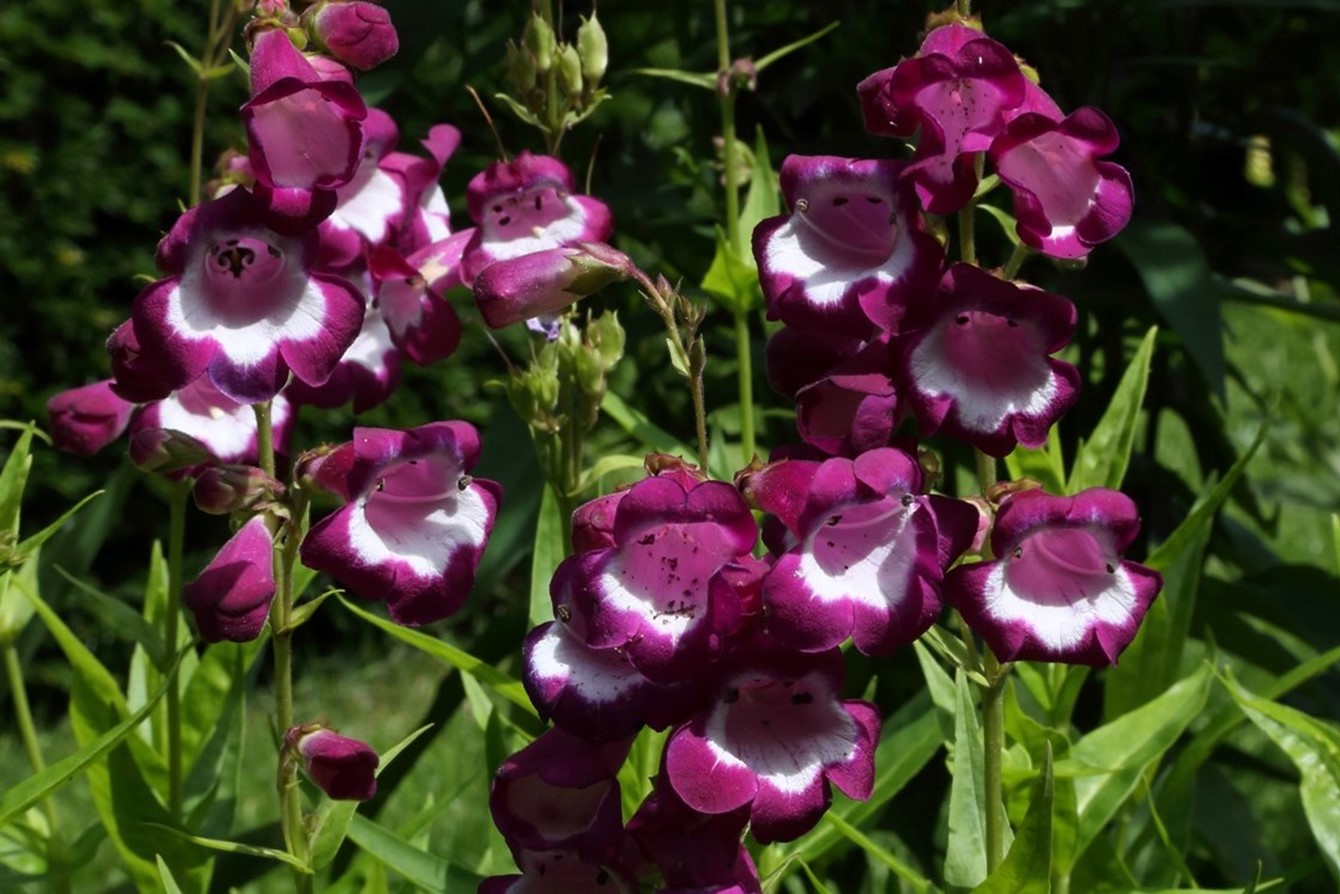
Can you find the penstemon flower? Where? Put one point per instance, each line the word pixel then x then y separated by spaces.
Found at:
pixel 231 597
pixel 414 524
pixel 344 768
pixel 693 850
pixel 85 420
pixel 356 32
pixel 1059 589
pixel 225 427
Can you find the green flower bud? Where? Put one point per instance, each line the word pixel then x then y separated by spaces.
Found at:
pixel 594 50
pixel 521 69
pixel 605 340
pixel 570 70
pixel 539 39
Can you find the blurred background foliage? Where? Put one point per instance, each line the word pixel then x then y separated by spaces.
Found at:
pixel 1229 122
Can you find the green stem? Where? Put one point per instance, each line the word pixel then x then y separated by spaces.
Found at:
pixel 1017 258
pixel 171 633
pixel 23 713
pixel 746 375
pixel 993 739
pixel 967 237
pixel 553 113
pixel 986 471
pixel 265 438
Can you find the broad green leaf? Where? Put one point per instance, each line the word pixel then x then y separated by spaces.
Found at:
pixel 965 855
pixel 908 740
pixel 1026 869
pixel 14 480
pixel 1177 276
pixel 1101 461
pixel 332 818
pixel 233 847
pixel 1045 465
pixel 731 279
pixel 707 80
pixel 1314 747
pixel 883 855
pixel 218 768
pixel 772 57
pixel 550 549
pixel 39 786
pixel 1108 763
pixel 428 872
pixel 761 201
pixel 506 686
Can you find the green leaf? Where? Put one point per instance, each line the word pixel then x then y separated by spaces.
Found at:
pixel 549 551
pixel 965 856
pixel 1026 869
pixel 519 110
pixel 1101 461
pixel 1045 464
pixel 731 279
pixel 303 611
pixel 1008 225
pixel 761 201
pixel 1177 276
pixel 506 686
pixel 428 872
pixel 39 786
pixel 940 686
pixel 120 618
pixel 170 885
pixel 814 879
pixel 706 80
pixel 332 817
pixel 608 465
pixel 233 847
pixel 1314 747
pixel 14 479
pixel 28 546
pixel 772 57
pixel 1108 763
pixel 635 423
pixel 883 855
pixel 186 57
pixel 15 611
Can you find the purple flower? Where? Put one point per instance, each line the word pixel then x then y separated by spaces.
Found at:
pixel 429 218
pixel 367 374
pixel 243 305
pixel 371 206
pixel 869 556
pixel 415 524
pixel 659 593
pixel 231 598
pixel 851 251
pixel 958 90
pixel 981 371
pixel 560 793
pixel 526 205
pixel 135 377
pixel 560 872
pixel 356 32
pixel 773 739
pixel 854 406
pixel 411 296
pixel 226 428
pixel 85 420
pixel 1065 199
pixel 1060 590
pixel 304 129
pixel 692 850
pixel 546 282
pixel 345 769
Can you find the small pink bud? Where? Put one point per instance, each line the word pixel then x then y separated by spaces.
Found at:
pixel 165 451
pixel 85 420
pixel 231 598
pixel 234 487
pixel 356 32
pixel 345 769
pixel 546 282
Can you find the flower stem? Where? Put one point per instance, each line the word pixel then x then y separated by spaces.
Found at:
pixel 746 377
pixel 1017 258
pixel 23 715
pixel 171 633
pixel 265 444
pixel 993 740
pixel 986 471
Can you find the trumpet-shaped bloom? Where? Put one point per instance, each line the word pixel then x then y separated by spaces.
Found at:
pixel 411 297
pixel 660 593
pixel 692 850
pixel 1059 589
pixel 869 556
pixel 773 739
pixel 1065 198
pixel 851 252
pixel 415 523
pixel 243 304
pixel 981 369
pixel 560 872
pixel 225 427
pixel 231 598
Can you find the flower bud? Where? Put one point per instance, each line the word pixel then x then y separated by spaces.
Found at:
pixel 85 420
pixel 356 32
pixel 345 769
pixel 137 377
pixel 545 282
pixel 231 598
pixel 165 451
pixel 539 39
pixel 570 70
pixel 521 69
pixel 234 487
pixel 594 50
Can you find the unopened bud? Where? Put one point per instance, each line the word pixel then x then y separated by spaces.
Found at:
pixel 546 282
pixel 539 39
pixel 520 69
pixel 594 50
pixel 164 450
pixel 356 32
pixel 233 488
pixel 570 70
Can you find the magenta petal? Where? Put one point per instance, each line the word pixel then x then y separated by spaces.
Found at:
pixel 357 32
pixel 84 420
pixel 313 358
pixel 344 768
pixel 705 778
pixel 231 597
